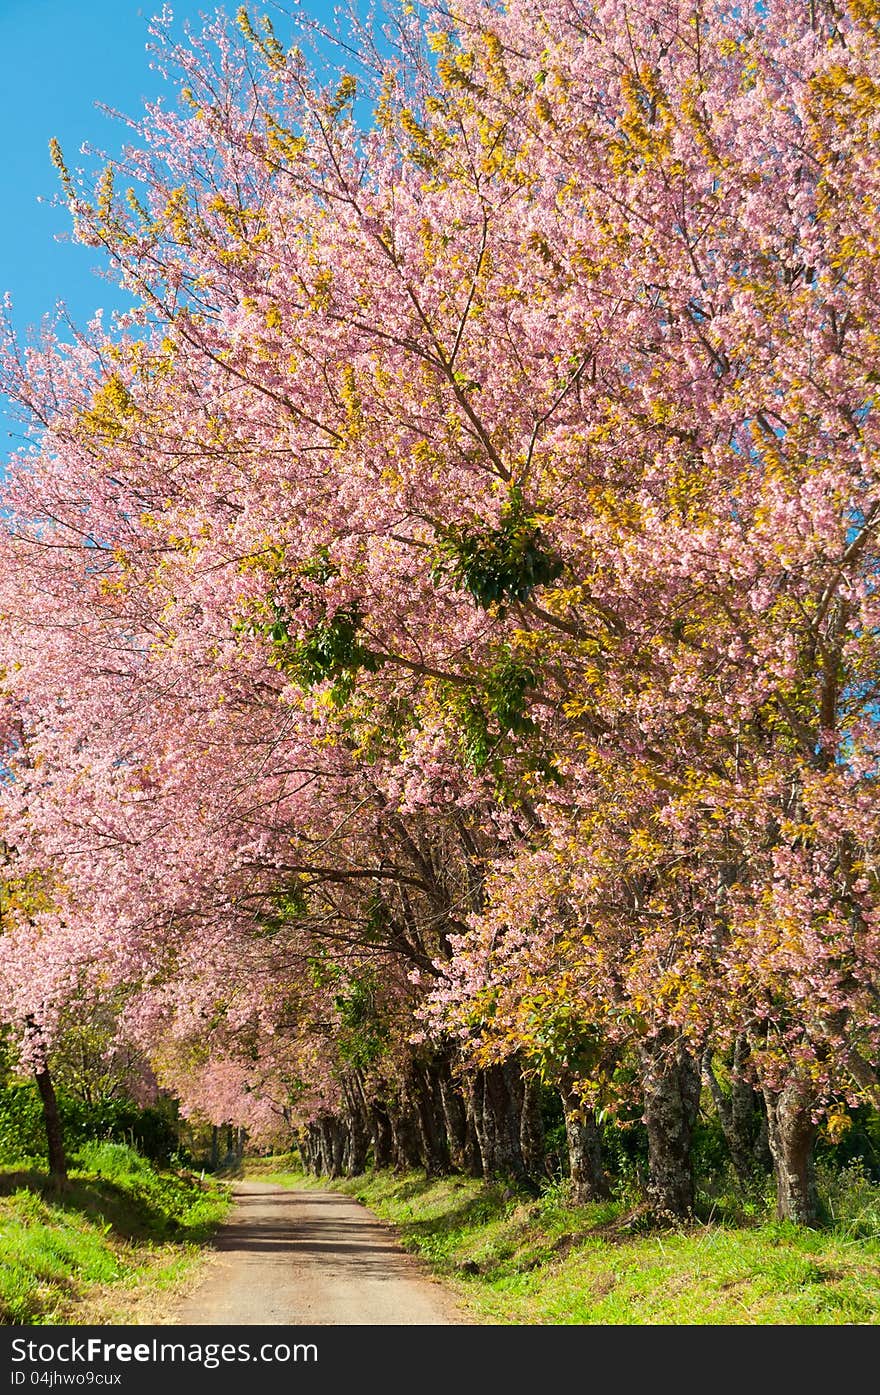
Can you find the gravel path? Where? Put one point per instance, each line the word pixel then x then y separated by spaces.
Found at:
pixel 303 1257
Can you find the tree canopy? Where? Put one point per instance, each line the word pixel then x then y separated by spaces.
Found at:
pixel 440 623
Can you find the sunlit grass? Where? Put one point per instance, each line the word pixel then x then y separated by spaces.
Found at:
pixel 118 1220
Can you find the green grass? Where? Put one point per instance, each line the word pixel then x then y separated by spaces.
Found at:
pixel 515 1259
pixel 122 1234
pixel 118 1222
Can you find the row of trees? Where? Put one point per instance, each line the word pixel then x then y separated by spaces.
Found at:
pixel 440 632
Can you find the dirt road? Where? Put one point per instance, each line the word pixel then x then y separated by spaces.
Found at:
pixel 301 1257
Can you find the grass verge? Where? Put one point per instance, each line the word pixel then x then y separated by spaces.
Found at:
pixel 108 1248
pixel 516 1259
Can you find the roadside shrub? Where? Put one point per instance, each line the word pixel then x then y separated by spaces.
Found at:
pixel 22 1137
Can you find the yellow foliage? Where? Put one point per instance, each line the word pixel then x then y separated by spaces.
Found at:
pixel 111 408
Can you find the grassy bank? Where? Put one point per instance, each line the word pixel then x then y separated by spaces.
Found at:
pixel 123 1239
pixel 111 1247
pixel 516 1259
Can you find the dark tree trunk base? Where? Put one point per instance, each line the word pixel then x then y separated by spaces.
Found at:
pixel 52 1122
pixel 586 1170
pixel 792 1137
pixel 671 1088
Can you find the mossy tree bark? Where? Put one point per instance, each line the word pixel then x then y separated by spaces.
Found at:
pixel 585 1162
pixel 792 1136
pixel 671 1092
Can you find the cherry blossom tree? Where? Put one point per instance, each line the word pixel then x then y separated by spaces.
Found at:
pixel 481 504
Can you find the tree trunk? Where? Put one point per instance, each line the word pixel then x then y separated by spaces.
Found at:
pixel 383 1138
pixel 742 1115
pixel 473 1153
pixel 338 1138
pixel 792 1137
pixel 306 1151
pixel 454 1117
pixel 405 1135
pixel 671 1090
pixel 501 1108
pixel 482 1133
pixel 531 1128
pixel 426 1098
pixel 317 1147
pixel 585 1165
pixel 52 1123
pixel 357 1126
pixel 332 1145
pixel 325 1161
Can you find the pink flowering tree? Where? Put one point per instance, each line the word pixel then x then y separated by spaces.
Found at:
pixel 506 465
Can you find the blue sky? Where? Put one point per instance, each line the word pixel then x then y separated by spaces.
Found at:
pixel 60 57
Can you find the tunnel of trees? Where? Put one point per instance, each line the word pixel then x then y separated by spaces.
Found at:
pixel 439 646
